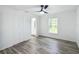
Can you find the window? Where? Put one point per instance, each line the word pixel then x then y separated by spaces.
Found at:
pixel 53 25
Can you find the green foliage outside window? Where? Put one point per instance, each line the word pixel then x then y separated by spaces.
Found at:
pixel 53 25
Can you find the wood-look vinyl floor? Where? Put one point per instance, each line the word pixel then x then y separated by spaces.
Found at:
pixel 42 45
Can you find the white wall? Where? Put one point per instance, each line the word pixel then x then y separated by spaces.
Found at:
pixel 66 25
pixel 0 29
pixel 15 27
pixel 77 35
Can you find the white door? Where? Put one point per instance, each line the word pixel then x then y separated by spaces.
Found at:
pixel 34 26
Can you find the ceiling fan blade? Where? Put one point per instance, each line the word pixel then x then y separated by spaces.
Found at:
pixel 45 6
pixel 38 11
pixel 45 12
pixel 41 8
pixel 42 5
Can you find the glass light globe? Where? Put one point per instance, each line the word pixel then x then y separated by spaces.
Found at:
pixel 41 12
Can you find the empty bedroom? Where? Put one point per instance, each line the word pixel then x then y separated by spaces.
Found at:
pixel 39 29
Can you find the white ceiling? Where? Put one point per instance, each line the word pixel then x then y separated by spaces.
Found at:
pixel 51 9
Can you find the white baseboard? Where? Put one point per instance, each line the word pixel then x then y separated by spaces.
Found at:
pixel 77 44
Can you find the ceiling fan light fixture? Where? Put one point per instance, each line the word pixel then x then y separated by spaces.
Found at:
pixel 41 12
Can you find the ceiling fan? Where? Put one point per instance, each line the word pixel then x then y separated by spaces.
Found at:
pixel 43 9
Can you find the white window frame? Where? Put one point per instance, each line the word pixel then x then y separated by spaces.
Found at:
pixel 49 25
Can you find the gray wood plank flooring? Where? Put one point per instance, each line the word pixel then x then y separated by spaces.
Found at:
pixel 42 45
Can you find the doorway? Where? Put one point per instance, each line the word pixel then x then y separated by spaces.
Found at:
pixel 34 26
